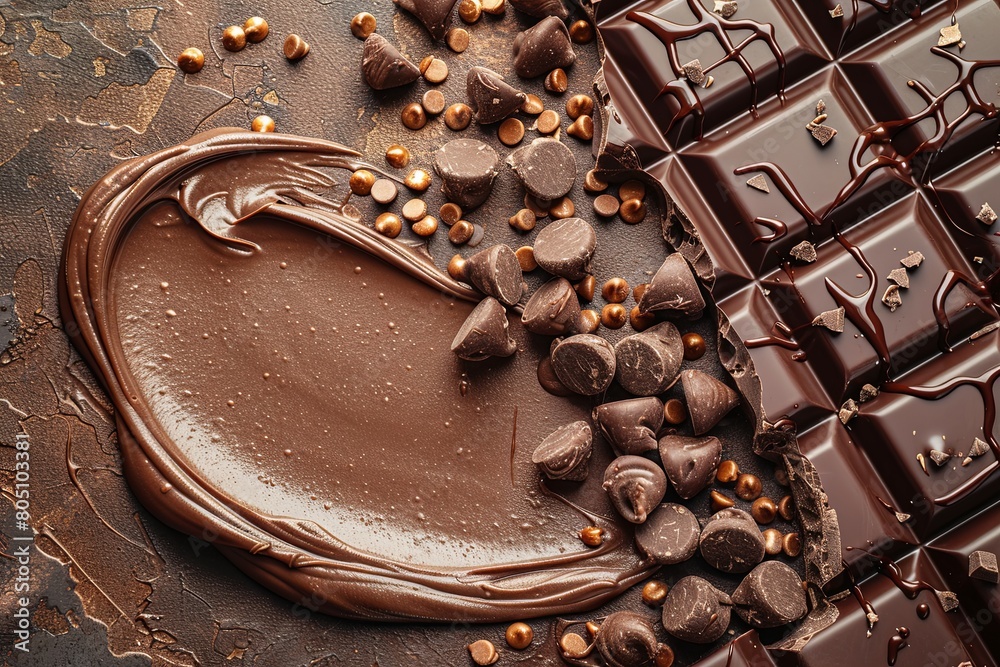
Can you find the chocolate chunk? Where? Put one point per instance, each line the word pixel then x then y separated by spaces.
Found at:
pixel 541 8
pixel 725 8
pixel 542 48
pixel 673 289
pixel 553 310
pixel 949 35
pixel 816 122
pixel 383 66
pixel 979 447
pixel 822 133
pixel 627 639
pixel 492 98
pixel 820 107
pixel 837 12
pixel 708 400
pixel 986 214
pixel 758 182
pixel 690 463
pixel 868 392
pixel 565 247
pixel 696 611
pixel 831 319
pixel 891 298
pixel 635 486
pixel 912 260
pixel 983 566
pixel 467 168
pixel 631 425
pixel 900 277
pixel 670 534
pixel 565 453
pixel 496 272
pixel 484 333
pixel 545 167
pixel 694 72
pixel 731 541
pixel 938 457
pixel 770 596
pixel 584 363
pixel 804 252
pixel 848 411
pixel 649 362
pixel 434 14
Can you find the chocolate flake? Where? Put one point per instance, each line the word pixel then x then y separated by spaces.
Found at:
pixel 848 411
pixel 837 12
pixel 758 182
pixel 635 486
pixel 484 333
pixel 467 168
pixel 584 363
pixel 631 425
pixel 383 66
pixel 891 298
pixel 804 251
pixel 565 453
pixel 983 566
pixel 541 8
pixel 831 319
pixel 912 259
pixel 673 288
pixel 868 392
pixel 950 35
pixel 649 362
pixel 553 310
pixel 900 277
pixel 823 134
pixel 434 14
pixel 922 460
pixel 670 534
pixel 696 611
pixel 989 328
pixel 496 272
pixel 708 400
pixel 770 596
pixel 491 98
pixel 938 457
pixel 694 72
pixel 565 248
pixel 690 463
pixel 725 8
pixel 542 48
pixel 986 214
pixel 546 168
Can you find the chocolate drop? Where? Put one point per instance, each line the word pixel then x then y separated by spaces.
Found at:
pixel 542 48
pixel 631 425
pixel 553 310
pixel 731 541
pixel 565 453
pixel 649 362
pixel 484 333
pixel 673 289
pixel 467 168
pixel 690 463
pixel 383 66
pixel 492 98
pixel 541 8
pixel 696 611
pixel 670 534
pixel 770 596
pixel 708 400
pixel 565 247
pixel 545 167
pixel 635 486
pixel 434 14
pixel 496 272
pixel 584 363
pixel 627 639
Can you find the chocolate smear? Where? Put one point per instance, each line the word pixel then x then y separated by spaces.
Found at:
pixel 553 310
pixel 708 400
pixel 542 48
pixel 541 8
pixel 491 98
pixel 696 611
pixel 383 66
pixel 484 333
pixel 770 596
pixel 627 639
pixel 983 566
pixel 635 486
pixel 584 363
pixel 831 319
pixel 673 289
pixel 434 14
pixel 912 260
pixel 565 248
pixel 690 463
pixel 891 298
pixel 900 277
pixel 649 362
pixel 496 272
pixel 986 214
pixel 670 534
pixel 804 251
pixel 758 182
pixel 630 425
pixel 467 168
pixel 731 541
pixel 565 453
pixel 545 167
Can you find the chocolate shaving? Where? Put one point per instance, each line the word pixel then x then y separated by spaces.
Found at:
pixel 831 319
pixel 986 214
pixel 758 182
pixel 804 251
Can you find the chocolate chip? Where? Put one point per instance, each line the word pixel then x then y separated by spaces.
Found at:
pixel 545 167
pixel 470 10
pixel 696 611
pixel 491 98
pixel 580 105
pixel 482 652
pixel 633 189
pixel 295 48
pixel 434 14
pixel 605 206
pixel 673 289
pixel 562 208
pixel 553 310
pixel 912 260
pixel 720 501
pixel 383 66
pixel 770 596
pixel 900 277
pixel 584 363
pixel 565 453
pixel 556 81
pixel 543 47
pixel 191 60
pixel 649 362
pixel 548 122
pixel 519 636
pixel 986 214
pixel 384 191
pixel 524 221
pixel 627 639
pixel 234 38
pixel 585 288
pixel 731 541
pixel 511 132
pixel 574 647
pixel 748 486
pixel 533 105
pixel 708 400
pixel 758 182
pixel 983 566
pixel 581 32
pixel 938 457
pixel 467 168
pixel 630 425
pixel 484 333
pixel 593 183
pixel 654 592
pixel 674 411
pixel 786 508
pixel 632 211
pixel 590 321
pixel 565 248
pixel 804 252
pixel 413 116
pixel 635 486
pixel 690 463
pixel 670 534
pixel 694 346
pixel 772 541
pixel 582 128
pixel 458 116
pixel 548 380
pixel 457 39
pixel 614 316
pixel 436 71
pixel 831 319
pixel 541 8
pixel 496 272
pixel 764 510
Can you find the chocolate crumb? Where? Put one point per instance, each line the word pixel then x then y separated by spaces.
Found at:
pixel 868 392
pixel 837 12
pixel 848 411
pixel 831 319
pixel 820 107
pixel 823 134
pixel 922 460
pixel 986 214
pixel 912 260
pixel 983 566
pixel 804 251
pixel 758 182
pixel 891 298
pixel 979 447
pixel 900 277
pixel 565 453
pixel 725 8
